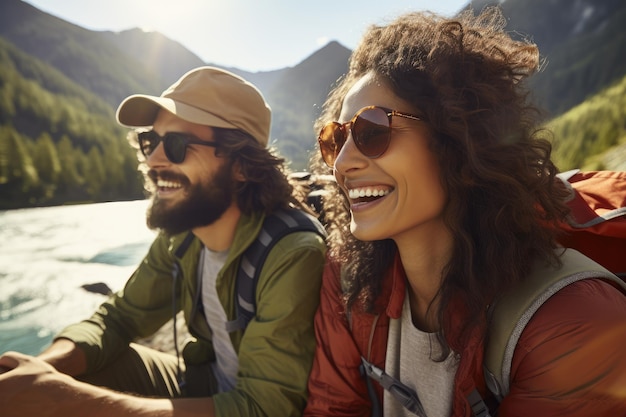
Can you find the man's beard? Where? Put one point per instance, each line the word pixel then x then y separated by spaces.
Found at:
pixel 203 205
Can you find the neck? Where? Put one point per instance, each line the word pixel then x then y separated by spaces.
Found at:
pixel 423 262
pixel 218 236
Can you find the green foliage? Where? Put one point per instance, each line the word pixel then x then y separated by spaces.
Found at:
pixel 58 142
pixel 84 56
pixel 69 179
pixel 18 176
pixel 46 159
pixel 589 130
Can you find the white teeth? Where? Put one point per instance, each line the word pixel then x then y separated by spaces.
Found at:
pixel 168 184
pixel 367 192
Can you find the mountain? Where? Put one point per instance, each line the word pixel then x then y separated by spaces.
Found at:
pixel 591 135
pixel 57 78
pixel 297 97
pixel 581 41
pixel 85 57
pixel 168 59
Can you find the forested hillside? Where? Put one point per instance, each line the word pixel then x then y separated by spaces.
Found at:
pixel 592 135
pixel 57 142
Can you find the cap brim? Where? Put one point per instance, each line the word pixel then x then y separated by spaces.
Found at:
pixel 141 110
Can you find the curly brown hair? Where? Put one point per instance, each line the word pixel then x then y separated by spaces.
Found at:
pixel 466 76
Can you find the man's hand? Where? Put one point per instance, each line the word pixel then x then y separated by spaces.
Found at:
pixel 66 357
pixel 30 386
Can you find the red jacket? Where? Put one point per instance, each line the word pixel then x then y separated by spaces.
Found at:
pixel 570 361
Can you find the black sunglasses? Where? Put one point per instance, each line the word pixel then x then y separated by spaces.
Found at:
pixel 371 131
pixel 174 144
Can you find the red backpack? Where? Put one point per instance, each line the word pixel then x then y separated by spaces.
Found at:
pixel 597 225
pixel 596 228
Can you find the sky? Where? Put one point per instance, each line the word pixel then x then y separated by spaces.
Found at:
pixel 251 35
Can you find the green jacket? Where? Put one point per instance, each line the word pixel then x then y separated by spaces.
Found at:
pixel 275 351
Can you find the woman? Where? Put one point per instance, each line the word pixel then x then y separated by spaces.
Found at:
pixel 445 196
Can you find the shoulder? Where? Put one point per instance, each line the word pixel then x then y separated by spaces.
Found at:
pixel 572 348
pixel 581 310
pixel 594 302
pixel 295 260
pixel 298 247
pixel 161 252
pixel 302 240
pixel 284 230
pixel 173 245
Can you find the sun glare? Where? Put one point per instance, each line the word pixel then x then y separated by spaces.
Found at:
pixel 322 40
pixel 163 14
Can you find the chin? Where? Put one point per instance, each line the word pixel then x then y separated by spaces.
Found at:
pixel 365 234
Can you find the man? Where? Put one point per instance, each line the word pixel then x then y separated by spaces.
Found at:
pixel 211 173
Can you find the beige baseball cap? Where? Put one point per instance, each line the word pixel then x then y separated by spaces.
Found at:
pixel 208 96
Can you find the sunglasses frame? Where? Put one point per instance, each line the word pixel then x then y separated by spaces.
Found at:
pixel 348 127
pixel 186 139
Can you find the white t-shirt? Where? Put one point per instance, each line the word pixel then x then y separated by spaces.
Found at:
pixel 226 361
pixel 409 361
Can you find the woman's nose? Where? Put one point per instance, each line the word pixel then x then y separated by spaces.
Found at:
pixel 349 156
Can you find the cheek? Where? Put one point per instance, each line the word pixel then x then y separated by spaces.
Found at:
pixel 424 183
pixel 418 173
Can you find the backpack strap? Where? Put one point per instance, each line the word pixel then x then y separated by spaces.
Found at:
pixel 277 225
pixel 180 251
pixel 510 315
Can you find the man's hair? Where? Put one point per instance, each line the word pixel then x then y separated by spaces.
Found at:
pixel 266 186
pixel 465 75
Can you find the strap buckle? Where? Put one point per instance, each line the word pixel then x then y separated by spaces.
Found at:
pixel 404 394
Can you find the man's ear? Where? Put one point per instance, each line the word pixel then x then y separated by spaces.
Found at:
pixel 237 172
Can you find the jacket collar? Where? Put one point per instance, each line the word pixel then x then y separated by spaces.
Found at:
pixel 394 288
pixel 247 230
pixel 248 227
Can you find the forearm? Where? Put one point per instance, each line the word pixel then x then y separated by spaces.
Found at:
pixel 66 357
pixel 32 387
pixel 80 399
pixel 98 402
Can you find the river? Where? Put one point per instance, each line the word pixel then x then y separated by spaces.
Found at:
pixel 47 254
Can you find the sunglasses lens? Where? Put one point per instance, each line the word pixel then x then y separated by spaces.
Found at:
pixel 371 132
pixel 148 141
pixel 175 146
pixel 331 140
